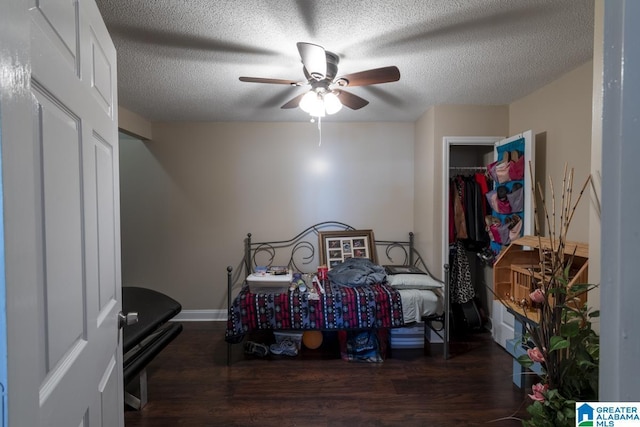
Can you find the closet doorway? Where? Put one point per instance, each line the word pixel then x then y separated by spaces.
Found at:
pixel 464 157
pixel 467 156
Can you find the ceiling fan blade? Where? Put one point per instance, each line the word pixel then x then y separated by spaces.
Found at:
pixel 314 59
pixel 350 100
pixel 294 102
pixel 371 77
pixel 274 81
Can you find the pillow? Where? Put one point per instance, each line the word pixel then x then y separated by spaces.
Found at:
pixel 413 281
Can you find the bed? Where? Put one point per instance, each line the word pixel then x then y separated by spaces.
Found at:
pixel 407 294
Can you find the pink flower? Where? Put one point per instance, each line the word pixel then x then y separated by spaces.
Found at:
pixel 538 392
pixel 535 355
pixel 537 296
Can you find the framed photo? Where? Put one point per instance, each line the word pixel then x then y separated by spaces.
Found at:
pixel 337 246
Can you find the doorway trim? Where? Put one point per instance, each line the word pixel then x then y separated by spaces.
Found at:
pixel 447 143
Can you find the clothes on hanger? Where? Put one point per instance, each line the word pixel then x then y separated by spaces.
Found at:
pixel 461 287
pixel 468 207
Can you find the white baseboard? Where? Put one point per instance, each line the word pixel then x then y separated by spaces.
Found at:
pixel 219 315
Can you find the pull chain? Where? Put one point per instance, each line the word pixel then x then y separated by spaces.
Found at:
pixel 319 131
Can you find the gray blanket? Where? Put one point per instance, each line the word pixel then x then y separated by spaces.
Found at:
pixel 357 272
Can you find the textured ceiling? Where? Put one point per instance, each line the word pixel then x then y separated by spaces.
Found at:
pixel 181 59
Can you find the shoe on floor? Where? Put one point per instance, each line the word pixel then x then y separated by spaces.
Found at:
pixel 285 348
pixel 257 349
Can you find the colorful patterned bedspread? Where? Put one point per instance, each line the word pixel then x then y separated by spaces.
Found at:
pixel 339 308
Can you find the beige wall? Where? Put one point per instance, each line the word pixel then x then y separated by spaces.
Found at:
pixel 424 187
pixel 190 196
pixel 560 116
pixel 431 128
pixel 134 124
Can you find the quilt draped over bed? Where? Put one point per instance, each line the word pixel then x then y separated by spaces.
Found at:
pixel 339 308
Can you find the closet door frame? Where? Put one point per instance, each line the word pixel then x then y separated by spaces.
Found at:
pixel 448 142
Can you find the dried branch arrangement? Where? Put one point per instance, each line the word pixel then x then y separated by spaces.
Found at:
pixel 562 340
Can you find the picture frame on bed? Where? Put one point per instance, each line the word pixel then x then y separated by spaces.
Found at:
pixel 337 246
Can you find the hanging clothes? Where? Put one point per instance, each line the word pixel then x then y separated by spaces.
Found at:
pixel 474 210
pixel 459 219
pixel 467 210
pixel 484 184
pixel 460 285
pixel 452 224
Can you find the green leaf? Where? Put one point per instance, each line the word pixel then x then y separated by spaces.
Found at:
pixel 579 287
pixel 558 343
pixel 536 409
pixel 552 395
pixel 586 364
pixel 525 361
pixel 595 313
pixel 571 329
pixel 560 416
pixel 569 412
pixel 556 290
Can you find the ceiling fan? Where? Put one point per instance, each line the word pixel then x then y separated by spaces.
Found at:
pixel 326 95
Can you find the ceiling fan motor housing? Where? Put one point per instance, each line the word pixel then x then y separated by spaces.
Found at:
pixel 332 65
pixel 332 69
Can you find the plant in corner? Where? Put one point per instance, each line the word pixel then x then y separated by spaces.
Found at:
pixel 562 341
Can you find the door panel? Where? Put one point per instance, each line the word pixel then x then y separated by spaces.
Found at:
pixel 63 285
pixel 101 75
pixel 58 21
pixel 77 216
pixel 110 393
pixel 502 321
pixel 104 163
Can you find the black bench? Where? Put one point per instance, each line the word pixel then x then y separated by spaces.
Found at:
pixel 142 341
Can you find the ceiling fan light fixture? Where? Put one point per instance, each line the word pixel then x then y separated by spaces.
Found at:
pixel 332 103
pixel 308 101
pixel 318 103
pixel 318 108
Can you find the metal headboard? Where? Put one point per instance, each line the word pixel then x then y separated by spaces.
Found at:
pixel 300 244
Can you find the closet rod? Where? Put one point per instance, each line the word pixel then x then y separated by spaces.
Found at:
pixel 477 168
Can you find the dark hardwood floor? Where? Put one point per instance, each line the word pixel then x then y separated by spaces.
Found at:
pixel 190 384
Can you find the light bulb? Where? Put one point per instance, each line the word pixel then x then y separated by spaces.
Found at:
pixel 332 103
pixel 308 101
pixel 318 108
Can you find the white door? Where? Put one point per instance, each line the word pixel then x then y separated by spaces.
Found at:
pixel 62 227
pixel 501 320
